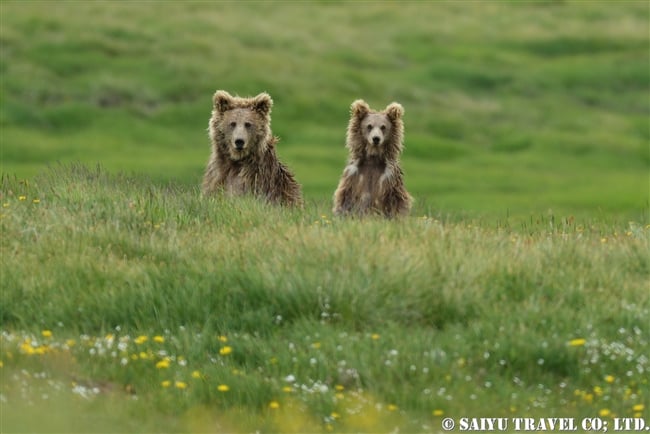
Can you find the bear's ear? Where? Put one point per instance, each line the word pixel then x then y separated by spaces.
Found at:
pixel 222 101
pixel 394 111
pixel 262 103
pixel 359 108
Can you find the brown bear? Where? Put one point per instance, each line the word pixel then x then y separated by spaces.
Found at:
pixel 243 159
pixel 373 182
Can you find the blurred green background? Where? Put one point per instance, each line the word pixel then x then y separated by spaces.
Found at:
pixel 511 107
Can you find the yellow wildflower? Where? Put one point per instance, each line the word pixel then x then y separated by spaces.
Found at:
pixel 22 197
pixel 196 374
pixel 223 388
pixel 36 201
pixel 438 412
pixel 70 342
pixel 335 415
pixel 339 387
pixel 224 351
pixel 315 345
pixel 2 364
pixel 159 339
pixel 578 342
pixel 604 412
pixel 166 383
pixel 609 379
pixel 141 339
pixel 391 407
pixel 287 389
pixel 638 407
pixel 143 355
pixel 598 391
pixel 163 364
pixel 46 333
pixel 180 385
pixel 274 405
pixel 222 338
pixel 375 336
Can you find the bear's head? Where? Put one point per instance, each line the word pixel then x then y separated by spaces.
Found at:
pixel 372 133
pixel 241 126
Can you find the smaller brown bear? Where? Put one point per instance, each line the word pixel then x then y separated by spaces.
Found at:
pixel 373 182
pixel 243 159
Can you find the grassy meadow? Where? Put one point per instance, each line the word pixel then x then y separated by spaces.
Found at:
pixel 516 107
pixel 128 307
pixel 518 287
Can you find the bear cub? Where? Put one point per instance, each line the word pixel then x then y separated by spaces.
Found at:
pixel 373 181
pixel 243 159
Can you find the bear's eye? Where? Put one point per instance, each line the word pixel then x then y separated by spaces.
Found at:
pixel 383 127
pixel 247 124
pixel 369 127
pixel 233 124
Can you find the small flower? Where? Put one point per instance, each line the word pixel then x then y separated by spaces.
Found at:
pixel 638 407
pixel 163 364
pixel 159 339
pixel 375 336
pixel 287 389
pixel 578 342
pixel 609 379
pixel 22 197
pixel 141 339
pixel 598 391
pixel 315 345
pixel 274 405
pixel 36 201
pixel 166 383
pixel 335 415
pixel 180 385
pixel 224 351
pixel 223 388
pixel 391 407
pixel 339 387
pixel 604 412
pixel 46 333
pixel 70 342
pixel 2 364
pixel 438 412
pixel 222 338
pixel 5 205
pixel 196 374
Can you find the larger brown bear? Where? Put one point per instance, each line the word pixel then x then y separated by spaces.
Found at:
pixel 373 182
pixel 243 159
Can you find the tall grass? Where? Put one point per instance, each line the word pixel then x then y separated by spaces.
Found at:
pixel 137 301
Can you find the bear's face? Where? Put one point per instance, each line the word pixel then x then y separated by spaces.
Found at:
pixel 242 132
pixel 377 134
pixel 241 126
pixel 376 129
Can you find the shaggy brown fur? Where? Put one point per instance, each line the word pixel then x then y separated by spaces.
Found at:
pixel 373 182
pixel 243 159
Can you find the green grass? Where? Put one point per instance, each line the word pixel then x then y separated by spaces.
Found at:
pixel 348 325
pixel 527 151
pixel 518 106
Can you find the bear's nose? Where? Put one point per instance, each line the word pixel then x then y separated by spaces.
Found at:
pixel 239 144
pixel 376 140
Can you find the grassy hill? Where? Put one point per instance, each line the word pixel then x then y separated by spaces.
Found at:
pixel 128 307
pixel 518 287
pixel 510 107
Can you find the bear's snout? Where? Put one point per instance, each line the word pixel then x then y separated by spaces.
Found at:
pixel 376 140
pixel 239 144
